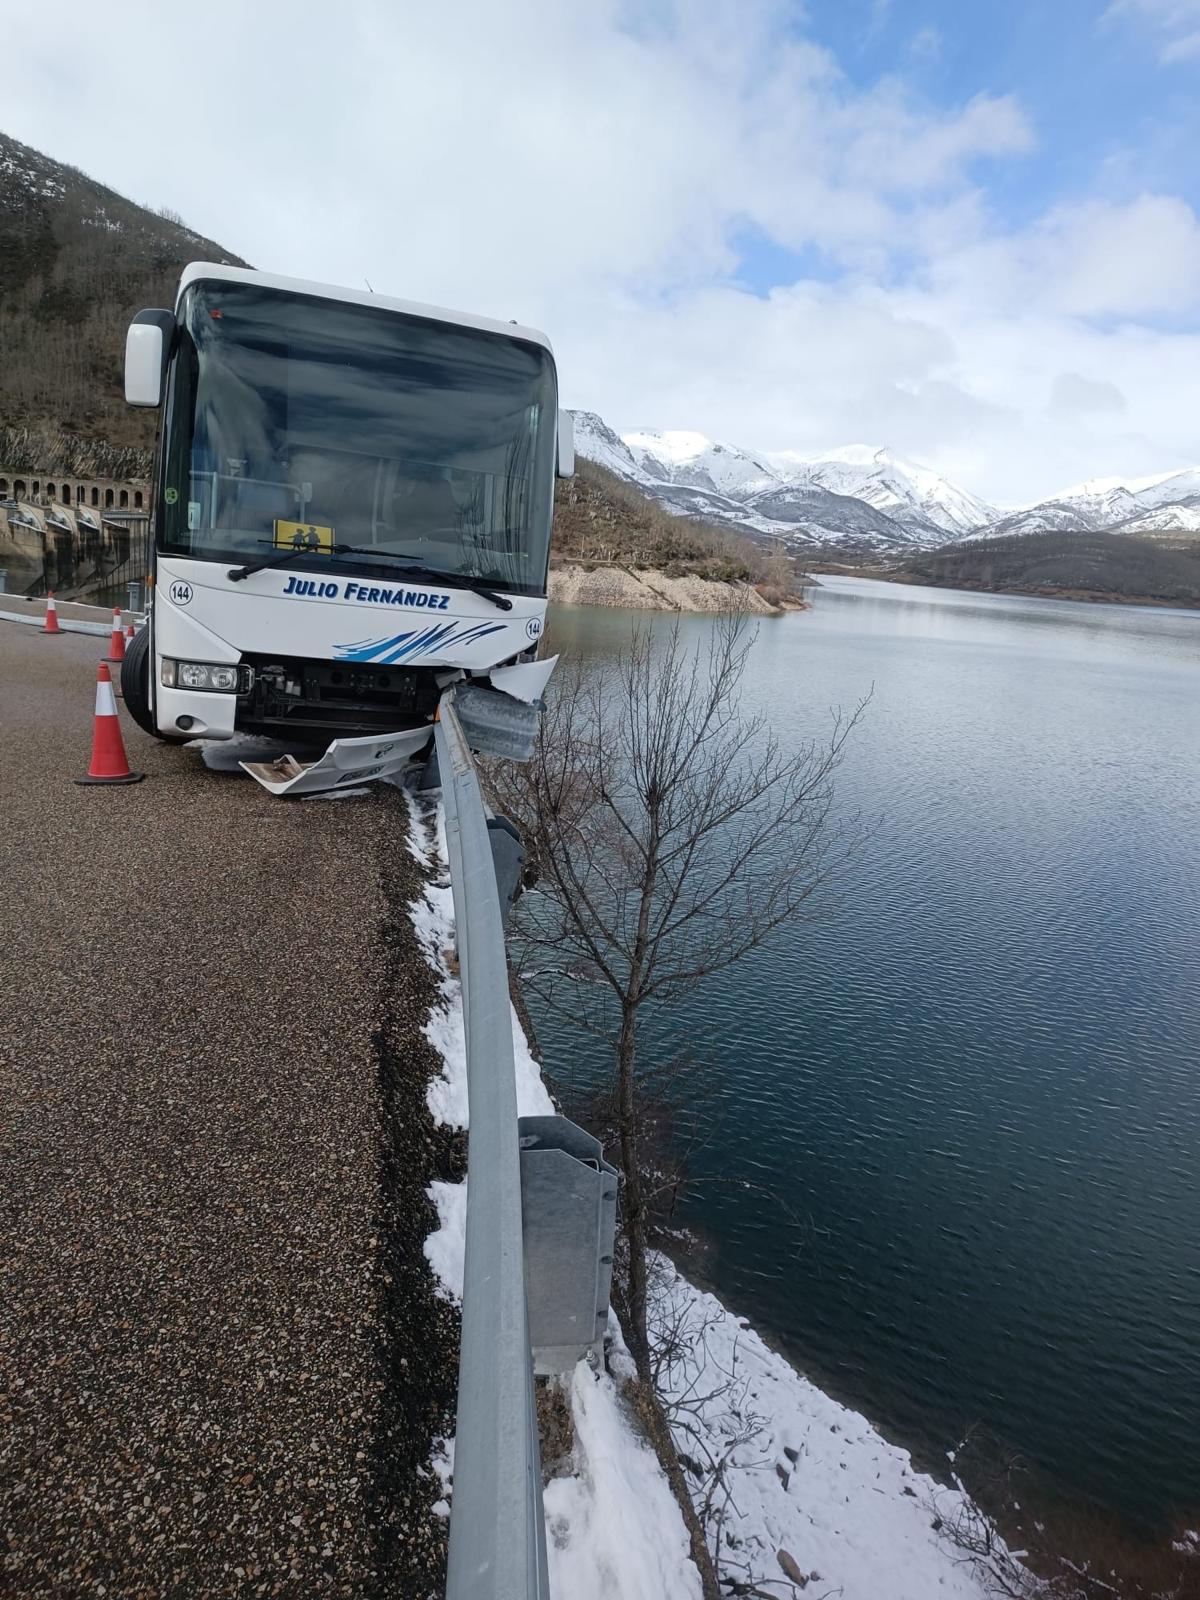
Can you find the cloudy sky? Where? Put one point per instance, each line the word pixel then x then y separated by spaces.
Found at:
pixel 966 229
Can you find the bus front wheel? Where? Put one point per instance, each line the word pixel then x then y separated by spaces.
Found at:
pixel 135 686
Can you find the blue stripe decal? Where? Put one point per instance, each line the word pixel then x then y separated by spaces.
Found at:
pixel 368 649
pixel 422 641
pixel 402 645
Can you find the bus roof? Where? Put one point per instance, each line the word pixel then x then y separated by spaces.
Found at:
pixel 198 271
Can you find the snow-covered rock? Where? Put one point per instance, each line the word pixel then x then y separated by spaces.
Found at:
pixel 1160 488
pixel 1180 516
pixel 1166 502
pixel 596 441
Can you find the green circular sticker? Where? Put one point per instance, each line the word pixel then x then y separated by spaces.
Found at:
pixel 171 496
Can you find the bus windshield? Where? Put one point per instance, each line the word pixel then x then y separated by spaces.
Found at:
pixel 295 422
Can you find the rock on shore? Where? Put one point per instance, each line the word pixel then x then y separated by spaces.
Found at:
pixel 651 591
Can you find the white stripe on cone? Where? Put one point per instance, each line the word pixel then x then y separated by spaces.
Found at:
pixel 106 704
pixel 116 627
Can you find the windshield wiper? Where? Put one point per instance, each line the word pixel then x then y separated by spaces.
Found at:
pixel 236 574
pixel 461 580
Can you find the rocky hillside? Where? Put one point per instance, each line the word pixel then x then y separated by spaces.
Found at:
pixel 1069 565
pixel 76 261
pixel 599 519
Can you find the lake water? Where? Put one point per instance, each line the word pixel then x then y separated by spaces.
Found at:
pixel 974 1090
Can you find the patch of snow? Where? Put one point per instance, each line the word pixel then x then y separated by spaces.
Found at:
pixel 1174 486
pixel 1173 517
pixel 433 922
pixel 445 1245
pixel 613 1530
pixel 442 1462
pixel 1133 486
pixel 904 489
pixel 433 919
pixel 816 1479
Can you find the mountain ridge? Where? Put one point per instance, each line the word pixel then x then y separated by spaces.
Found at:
pixel 867 499
pixel 863 497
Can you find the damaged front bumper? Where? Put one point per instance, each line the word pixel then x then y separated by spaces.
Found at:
pixel 498 721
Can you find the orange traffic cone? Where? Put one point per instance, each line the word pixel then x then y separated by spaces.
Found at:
pixel 128 634
pixel 51 623
pixel 116 642
pixel 109 762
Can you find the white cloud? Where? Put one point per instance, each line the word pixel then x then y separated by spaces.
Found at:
pixel 590 167
pixel 1073 395
pixel 1099 259
pixel 1175 24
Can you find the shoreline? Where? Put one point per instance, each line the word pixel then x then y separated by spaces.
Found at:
pixel 575 583
pixel 928 1458
pixel 1026 591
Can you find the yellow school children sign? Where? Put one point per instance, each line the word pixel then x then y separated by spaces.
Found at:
pixel 302 536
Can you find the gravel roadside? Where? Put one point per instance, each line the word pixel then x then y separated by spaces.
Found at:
pixel 222 1359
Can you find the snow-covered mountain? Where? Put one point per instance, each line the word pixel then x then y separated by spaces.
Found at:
pixel 597 442
pixel 691 460
pixel 868 499
pixel 860 497
pixel 907 491
pixel 1166 503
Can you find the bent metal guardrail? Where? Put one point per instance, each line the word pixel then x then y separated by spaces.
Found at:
pixel 497 1531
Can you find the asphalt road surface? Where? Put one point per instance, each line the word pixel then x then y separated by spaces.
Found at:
pixel 221 1360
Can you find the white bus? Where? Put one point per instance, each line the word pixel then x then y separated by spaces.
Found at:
pixel 352 504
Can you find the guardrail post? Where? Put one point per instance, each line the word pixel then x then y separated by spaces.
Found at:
pixel 569 1211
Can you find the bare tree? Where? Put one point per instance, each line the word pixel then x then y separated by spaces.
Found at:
pixel 669 834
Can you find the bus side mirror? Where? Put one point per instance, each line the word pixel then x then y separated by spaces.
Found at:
pixel 566 445
pixel 147 346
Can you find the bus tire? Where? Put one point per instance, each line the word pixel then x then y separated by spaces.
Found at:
pixel 135 685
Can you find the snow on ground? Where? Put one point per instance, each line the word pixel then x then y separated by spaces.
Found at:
pixel 811 1478
pixel 612 1528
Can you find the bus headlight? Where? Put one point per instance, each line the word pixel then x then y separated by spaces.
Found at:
pixel 199 675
